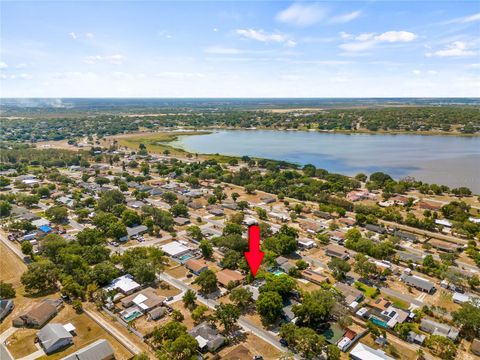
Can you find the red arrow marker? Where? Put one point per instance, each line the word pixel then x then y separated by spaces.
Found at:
pixel 254 256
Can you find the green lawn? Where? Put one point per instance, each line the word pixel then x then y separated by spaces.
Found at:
pixel 369 291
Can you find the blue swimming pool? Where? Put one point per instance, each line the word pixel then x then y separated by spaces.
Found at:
pixel 184 258
pixel 132 316
pixel 378 322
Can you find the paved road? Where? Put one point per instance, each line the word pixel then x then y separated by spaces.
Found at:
pixel 113 331
pixel 211 303
pixel 11 246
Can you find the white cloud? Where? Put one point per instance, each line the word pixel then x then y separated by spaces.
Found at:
pixel 367 41
pixel 89 35
pixel 25 76
pixel 178 75
pixel 260 35
pixel 290 44
pixel 344 18
pixel 302 14
pixel 465 20
pixel 396 36
pixel 20 66
pixel 215 29
pixel 73 35
pixel 344 35
pixel 424 72
pixel 3 65
pixel 417 72
pixel 116 59
pixel 222 50
pixel 455 49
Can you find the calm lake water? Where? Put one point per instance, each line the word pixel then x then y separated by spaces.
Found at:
pixel 449 160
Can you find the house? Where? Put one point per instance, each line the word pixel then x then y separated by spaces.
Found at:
pixel 287 309
pixel 196 266
pixel 53 337
pixel 280 260
pixel 400 200
pixel 208 337
pixel 4 353
pixel 229 205
pixel 444 245
pixel 268 199
pixel 135 204
pixel 337 236
pixel 348 222
pixel 157 313
pixel 311 227
pixel 145 299
pixel 195 205
pixel 179 220
pixel 443 222
pixel 418 283
pixel 409 257
pixel 322 214
pixel 415 338
pixel 435 328
pixel 254 290
pixel 6 306
pixel 40 222
pixel 476 347
pixel 375 228
pixel 227 277
pixel 405 236
pixel 175 249
pixel 305 243
pixel 351 294
pixel 39 314
pixel 336 251
pixel 98 350
pixel 364 352
pixel 216 211
pixel 314 277
pixel 136 230
pixel 428 205
pixel 45 229
pixel 125 284
pixel 279 215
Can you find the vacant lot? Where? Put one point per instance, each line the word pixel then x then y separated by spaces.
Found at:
pixel 11 267
pixel 248 347
pixel 22 343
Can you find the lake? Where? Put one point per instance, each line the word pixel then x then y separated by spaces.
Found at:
pixel 448 160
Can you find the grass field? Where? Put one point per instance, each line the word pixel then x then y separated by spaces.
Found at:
pixel 369 291
pixel 11 267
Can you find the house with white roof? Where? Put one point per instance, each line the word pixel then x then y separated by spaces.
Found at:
pixel 364 352
pixel 125 284
pixel 175 249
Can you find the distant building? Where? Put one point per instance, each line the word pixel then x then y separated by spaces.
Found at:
pixel 314 277
pixel 54 337
pixel 145 299
pixel 375 228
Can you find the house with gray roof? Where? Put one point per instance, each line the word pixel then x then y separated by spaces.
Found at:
pixel 99 350
pixel 208 337
pixel 436 328
pixel 53 337
pixel 418 283
pixel 6 306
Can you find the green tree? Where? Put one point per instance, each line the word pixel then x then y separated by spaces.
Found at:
pixel 316 308
pixel 40 277
pixel 189 299
pixel 27 248
pixel 179 210
pixel 109 199
pixel 6 290
pixel 207 281
pixel 206 248
pixel 241 297
pixel 235 196
pixel 198 314
pixel 227 315
pixel 58 214
pixel 131 218
pixel 468 316
pixel 441 346
pixel 194 232
pixel 339 268
pixel 269 306
pixel 5 208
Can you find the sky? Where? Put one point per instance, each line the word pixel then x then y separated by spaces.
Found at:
pixel 239 49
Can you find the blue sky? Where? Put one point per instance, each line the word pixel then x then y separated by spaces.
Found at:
pixel 239 49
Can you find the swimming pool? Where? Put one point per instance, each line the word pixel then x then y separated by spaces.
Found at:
pixel 277 272
pixel 184 258
pixel 132 316
pixel 379 322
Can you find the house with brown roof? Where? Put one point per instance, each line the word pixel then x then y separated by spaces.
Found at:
pixel 336 251
pixel 39 314
pixel 444 245
pixel 476 347
pixel 428 205
pixel 350 293
pixel 226 276
pixel 314 277
pixel 347 221
pixel 196 266
pixel 145 299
